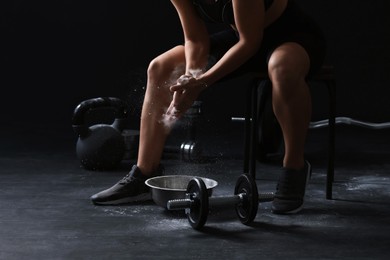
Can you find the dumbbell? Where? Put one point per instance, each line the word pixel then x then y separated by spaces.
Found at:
pixel 197 203
pixel 189 151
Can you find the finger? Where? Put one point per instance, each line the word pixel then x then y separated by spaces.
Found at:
pixel 184 79
pixel 177 98
pixel 172 113
pixel 176 87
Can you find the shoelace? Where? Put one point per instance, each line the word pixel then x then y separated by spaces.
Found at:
pixel 282 186
pixel 127 179
pixel 287 184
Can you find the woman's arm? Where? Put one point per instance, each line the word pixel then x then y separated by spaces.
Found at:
pixel 196 38
pixel 249 21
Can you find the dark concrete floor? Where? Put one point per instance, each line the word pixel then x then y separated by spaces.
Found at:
pixel 46 212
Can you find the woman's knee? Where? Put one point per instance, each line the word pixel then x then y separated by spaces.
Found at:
pixel 288 65
pixel 282 74
pixel 157 68
pixel 164 65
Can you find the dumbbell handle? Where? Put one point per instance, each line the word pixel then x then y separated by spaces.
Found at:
pixel 180 204
pixel 267 196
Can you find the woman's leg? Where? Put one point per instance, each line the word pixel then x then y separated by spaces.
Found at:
pixel 163 71
pixel 288 67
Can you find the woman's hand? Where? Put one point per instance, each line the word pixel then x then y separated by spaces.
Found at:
pixel 185 92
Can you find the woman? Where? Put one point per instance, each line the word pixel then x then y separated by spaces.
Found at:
pixel 273 35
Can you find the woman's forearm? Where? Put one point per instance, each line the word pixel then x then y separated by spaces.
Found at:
pixel 237 55
pixel 196 54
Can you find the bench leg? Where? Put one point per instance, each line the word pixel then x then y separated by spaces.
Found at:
pixel 254 108
pixel 332 136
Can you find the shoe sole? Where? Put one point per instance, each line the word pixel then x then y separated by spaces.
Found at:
pixel 303 199
pixel 139 198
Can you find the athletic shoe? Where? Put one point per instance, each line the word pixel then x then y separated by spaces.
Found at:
pixel 290 190
pixel 131 188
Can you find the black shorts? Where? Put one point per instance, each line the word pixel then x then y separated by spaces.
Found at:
pixel 292 26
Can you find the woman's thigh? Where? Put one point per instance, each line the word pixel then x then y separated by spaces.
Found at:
pixel 294 26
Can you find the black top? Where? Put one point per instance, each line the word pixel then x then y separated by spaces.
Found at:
pixel 219 11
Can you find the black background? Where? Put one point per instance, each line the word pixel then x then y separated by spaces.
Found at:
pixel 54 54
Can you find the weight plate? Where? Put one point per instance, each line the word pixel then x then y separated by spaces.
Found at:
pixel 199 210
pixel 247 209
pixel 191 151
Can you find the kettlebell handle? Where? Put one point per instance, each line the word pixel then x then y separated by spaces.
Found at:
pixel 78 120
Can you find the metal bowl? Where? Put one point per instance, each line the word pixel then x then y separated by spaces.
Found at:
pixel 172 187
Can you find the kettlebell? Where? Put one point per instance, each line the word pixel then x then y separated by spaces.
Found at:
pixel 100 146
